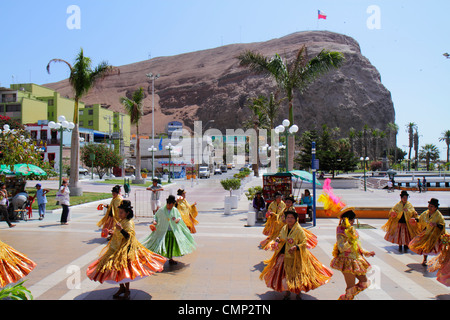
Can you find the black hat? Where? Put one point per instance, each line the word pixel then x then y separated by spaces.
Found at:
pixel 404 193
pixel 290 197
pixel 125 205
pixel 171 199
pixel 180 192
pixel 116 189
pixel 434 202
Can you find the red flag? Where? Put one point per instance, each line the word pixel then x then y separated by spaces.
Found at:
pixel 322 15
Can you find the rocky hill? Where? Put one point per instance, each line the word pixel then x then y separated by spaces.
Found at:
pixel 209 84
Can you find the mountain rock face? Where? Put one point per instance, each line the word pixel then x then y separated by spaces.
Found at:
pixel 210 84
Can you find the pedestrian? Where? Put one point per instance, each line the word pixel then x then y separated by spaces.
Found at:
pixel 398 228
pixel 41 200
pixel 111 216
pixel 64 200
pixel 432 227
pixel 124 259
pixel 441 263
pixel 419 185
pixel 14 265
pixel 156 190
pixel 4 204
pixel 349 256
pixel 170 236
pixel 292 267
pixel 188 212
pixel 308 200
pixel 259 205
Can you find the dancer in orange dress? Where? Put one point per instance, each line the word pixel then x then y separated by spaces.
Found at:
pixel 292 267
pixel 13 265
pixel 274 216
pixel 349 256
pixel 124 259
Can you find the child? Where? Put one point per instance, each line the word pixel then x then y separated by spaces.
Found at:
pixel 349 256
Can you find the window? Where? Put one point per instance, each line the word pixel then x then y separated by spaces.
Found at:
pixel 13 108
pixel 90 112
pixel 51 102
pixel 81 123
pixel 91 123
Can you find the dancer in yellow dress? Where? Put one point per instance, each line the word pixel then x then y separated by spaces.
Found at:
pixel 111 216
pixel 274 213
pixel 188 211
pixel 268 243
pixel 432 225
pixel 399 229
pixel 125 259
pixel 292 267
pixel 349 256
pixel 13 265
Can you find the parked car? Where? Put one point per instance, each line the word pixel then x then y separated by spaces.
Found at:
pixel 203 172
pixel 83 171
pixel 223 168
pixel 217 171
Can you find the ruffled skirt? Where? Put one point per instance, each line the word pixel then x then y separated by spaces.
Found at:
pixel 344 264
pixel 441 264
pixel 313 275
pixel 143 265
pixel 400 236
pixel 424 244
pixel 13 265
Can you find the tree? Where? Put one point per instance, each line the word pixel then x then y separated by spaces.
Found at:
pixel 82 79
pixel 392 129
pixel 429 152
pixel 410 130
pixel 105 158
pixel 446 138
pixel 298 74
pixel 134 108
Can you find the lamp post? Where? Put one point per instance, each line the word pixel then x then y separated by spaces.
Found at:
pixel 170 148
pixel 61 126
pixel 152 149
pixel 364 160
pixel 287 129
pixel 153 77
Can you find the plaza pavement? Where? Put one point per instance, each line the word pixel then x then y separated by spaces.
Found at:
pixel 228 260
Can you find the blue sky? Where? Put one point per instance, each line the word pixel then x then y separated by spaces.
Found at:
pixel 407 48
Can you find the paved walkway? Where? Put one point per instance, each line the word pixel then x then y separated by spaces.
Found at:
pixel 226 264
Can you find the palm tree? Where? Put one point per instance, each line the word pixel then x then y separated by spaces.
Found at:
pixel 410 130
pixel 82 79
pixel 446 138
pixel 392 128
pixel 429 152
pixel 134 108
pixel 298 74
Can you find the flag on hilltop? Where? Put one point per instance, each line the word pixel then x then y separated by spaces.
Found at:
pixel 322 15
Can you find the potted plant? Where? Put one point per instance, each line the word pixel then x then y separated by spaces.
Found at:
pixel 231 202
pixel 144 173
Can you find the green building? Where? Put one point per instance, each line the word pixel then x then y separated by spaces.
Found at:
pixel 30 103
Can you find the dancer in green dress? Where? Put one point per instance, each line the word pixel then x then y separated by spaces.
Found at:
pixel 170 236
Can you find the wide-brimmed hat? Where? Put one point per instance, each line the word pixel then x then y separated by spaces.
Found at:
pixel 125 205
pixel 116 189
pixel 171 199
pixel 434 202
pixel 180 192
pixel 404 193
pixel 290 197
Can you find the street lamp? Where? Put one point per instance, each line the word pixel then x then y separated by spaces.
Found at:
pixel 153 77
pixel 152 149
pixel 287 129
pixel 61 126
pixel 362 159
pixel 170 148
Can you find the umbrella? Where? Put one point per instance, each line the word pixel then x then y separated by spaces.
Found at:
pixel 23 169
pixel 304 176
